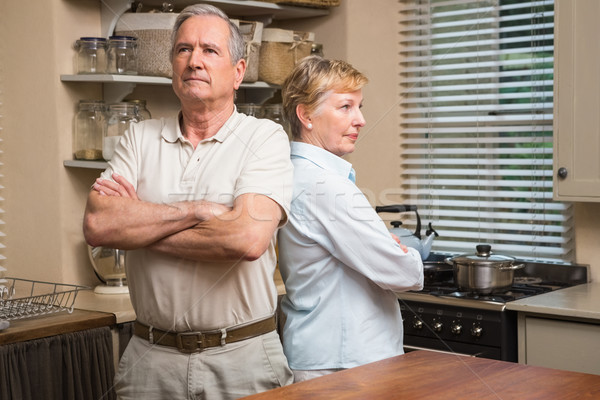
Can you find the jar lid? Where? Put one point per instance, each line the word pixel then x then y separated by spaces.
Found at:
pixel 92 39
pixel 90 43
pixel 119 38
pixel 483 257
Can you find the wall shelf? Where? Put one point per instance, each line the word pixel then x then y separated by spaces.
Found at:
pixel 116 87
pixel 86 164
pixel 262 11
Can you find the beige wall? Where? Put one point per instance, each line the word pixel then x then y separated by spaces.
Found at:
pixel 44 201
pixel 587 236
pixel 364 33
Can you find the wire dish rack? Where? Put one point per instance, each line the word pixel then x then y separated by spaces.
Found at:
pixel 24 298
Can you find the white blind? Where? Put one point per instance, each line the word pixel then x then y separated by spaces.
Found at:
pixel 476 109
pixel 2 257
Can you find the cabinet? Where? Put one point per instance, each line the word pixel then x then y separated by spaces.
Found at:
pixel 116 87
pixel 577 101
pixel 570 345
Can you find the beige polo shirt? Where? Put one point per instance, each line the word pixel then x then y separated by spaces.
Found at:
pixel 247 155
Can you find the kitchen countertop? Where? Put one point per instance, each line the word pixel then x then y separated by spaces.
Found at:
pixel 57 323
pixel 117 304
pixel 581 301
pixel 432 375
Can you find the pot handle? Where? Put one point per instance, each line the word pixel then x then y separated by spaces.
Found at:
pixel 516 266
pixel 398 208
pixel 449 261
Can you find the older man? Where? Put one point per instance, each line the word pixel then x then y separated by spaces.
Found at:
pixel 197 201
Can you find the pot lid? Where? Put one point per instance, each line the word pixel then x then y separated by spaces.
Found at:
pixel 484 257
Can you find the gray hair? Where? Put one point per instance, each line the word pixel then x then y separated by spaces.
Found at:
pixel 237 47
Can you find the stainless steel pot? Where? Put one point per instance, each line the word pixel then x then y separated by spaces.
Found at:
pixel 483 272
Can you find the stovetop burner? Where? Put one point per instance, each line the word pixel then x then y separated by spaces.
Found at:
pixel 535 278
pixel 517 291
pixel 521 288
pixel 528 280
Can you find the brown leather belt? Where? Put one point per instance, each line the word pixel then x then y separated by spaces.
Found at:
pixel 192 342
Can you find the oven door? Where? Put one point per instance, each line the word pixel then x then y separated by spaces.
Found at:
pixel 448 328
pixel 412 343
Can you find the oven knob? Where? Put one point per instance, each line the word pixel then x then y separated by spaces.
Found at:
pixel 476 330
pixel 417 323
pixel 437 326
pixel 456 328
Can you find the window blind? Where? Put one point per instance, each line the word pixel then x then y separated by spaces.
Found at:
pixel 2 257
pixel 476 90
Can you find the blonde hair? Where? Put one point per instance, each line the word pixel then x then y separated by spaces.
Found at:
pixel 311 81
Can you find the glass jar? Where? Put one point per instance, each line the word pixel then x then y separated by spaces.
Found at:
pixel 249 109
pixel 142 110
pixel 274 112
pixel 91 55
pixel 90 124
pixel 122 55
pixel 120 116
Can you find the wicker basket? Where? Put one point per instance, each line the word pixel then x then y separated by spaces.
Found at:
pixel 280 51
pixel 307 3
pixel 153 31
pixel 252 33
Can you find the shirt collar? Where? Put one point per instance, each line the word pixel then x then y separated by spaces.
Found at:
pixel 172 135
pixel 323 159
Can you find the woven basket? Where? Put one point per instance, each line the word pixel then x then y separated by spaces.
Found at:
pixel 308 3
pixel 252 33
pixel 280 52
pixel 153 31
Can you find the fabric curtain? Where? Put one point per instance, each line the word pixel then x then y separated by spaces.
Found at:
pixel 76 365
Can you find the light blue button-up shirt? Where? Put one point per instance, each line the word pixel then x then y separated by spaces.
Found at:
pixel 340 267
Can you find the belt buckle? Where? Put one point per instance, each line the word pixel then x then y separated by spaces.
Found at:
pixel 190 342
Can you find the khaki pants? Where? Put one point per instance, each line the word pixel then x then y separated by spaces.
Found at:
pixel 235 370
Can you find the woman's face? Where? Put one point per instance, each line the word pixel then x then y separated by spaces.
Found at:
pixel 336 123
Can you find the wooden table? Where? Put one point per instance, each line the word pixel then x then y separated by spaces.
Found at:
pixel 430 375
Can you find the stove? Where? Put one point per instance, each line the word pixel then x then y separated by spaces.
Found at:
pixel 442 318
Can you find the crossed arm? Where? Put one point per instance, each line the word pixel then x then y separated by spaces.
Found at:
pixel 196 230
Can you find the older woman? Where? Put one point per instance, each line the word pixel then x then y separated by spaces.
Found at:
pixel 339 263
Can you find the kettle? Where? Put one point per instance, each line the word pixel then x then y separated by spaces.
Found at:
pixel 408 238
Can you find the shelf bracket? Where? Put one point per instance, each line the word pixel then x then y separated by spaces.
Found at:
pixel 266 19
pixel 115 92
pixel 111 11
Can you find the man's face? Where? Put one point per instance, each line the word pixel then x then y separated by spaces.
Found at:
pixel 202 68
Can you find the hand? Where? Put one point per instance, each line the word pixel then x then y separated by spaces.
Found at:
pixel 121 187
pixel 397 239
